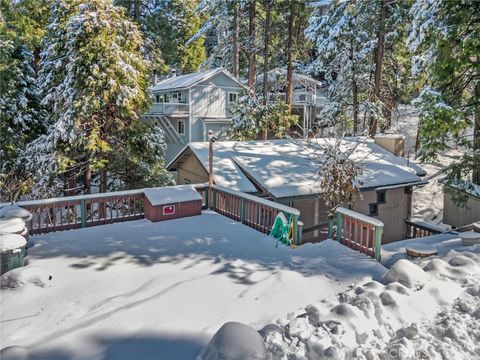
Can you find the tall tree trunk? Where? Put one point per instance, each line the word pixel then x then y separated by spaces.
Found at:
pixel 290 53
pixel 88 180
pixel 354 91
pixel 379 63
pixel 137 10
pixel 267 4
pixel 251 46
pixel 36 60
pixel 236 34
pixel 103 180
pixel 476 137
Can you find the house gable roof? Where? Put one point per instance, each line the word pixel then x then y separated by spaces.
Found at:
pixel 189 80
pixel 288 168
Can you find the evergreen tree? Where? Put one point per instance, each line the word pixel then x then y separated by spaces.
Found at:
pixel 95 83
pixel 446 38
pixel 355 41
pixel 21 117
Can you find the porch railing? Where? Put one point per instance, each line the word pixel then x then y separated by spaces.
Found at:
pixel 360 232
pixel 415 230
pixel 169 108
pixel 73 212
pixel 253 211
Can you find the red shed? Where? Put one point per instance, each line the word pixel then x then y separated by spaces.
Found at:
pixel 172 202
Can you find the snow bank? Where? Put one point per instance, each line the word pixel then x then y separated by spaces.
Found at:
pixel 235 341
pixel 406 273
pixel 22 276
pixel 371 320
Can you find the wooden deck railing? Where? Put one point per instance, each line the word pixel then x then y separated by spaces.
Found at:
pixel 360 232
pixel 73 212
pixel 253 211
pixel 415 230
pixel 324 230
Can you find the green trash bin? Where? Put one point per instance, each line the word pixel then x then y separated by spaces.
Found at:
pixel 12 249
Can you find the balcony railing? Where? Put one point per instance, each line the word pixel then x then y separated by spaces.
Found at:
pixel 297 98
pixel 169 109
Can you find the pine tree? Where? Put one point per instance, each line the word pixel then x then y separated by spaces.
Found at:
pixel 355 45
pixel 446 38
pixel 95 83
pixel 21 117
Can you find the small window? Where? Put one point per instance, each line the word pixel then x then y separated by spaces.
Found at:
pixel 381 197
pixel 176 97
pixel 186 181
pixel 232 97
pixel 167 97
pixel 181 127
pixel 373 209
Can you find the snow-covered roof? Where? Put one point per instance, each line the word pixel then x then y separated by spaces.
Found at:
pixel 278 75
pixel 172 194
pixel 287 168
pixel 189 80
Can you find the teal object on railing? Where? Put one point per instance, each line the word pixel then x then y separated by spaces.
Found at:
pixel 281 230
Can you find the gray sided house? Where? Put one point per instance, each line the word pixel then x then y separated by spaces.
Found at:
pixel 307 96
pixel 188 106
pixel 466 211
pixel 286 172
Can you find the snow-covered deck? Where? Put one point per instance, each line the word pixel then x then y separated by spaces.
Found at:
pixel 160 290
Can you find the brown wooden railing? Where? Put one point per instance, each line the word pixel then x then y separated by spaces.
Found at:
pixel 415 230
pixel 73 212
pixel 253 211
pixel 360 232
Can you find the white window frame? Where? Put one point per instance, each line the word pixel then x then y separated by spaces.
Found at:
pixel 183 127
pixel 167 97
pixel 159 98
pixel 236 97
pixel 177 96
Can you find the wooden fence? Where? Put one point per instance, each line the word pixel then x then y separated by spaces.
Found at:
pixel 360 232
pixel 415 230
pixel 253 211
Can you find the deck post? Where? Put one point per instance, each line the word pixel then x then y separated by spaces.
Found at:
pixel 83 217
pixel 330 228
pixel 339 226
pixel 378 242
pixel 207 203
pixel 299 232
pixel 214 199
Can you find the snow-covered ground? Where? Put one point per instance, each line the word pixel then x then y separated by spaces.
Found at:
pixel 160 290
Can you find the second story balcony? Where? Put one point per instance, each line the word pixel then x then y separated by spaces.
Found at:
pixel 298 98
pixel 169 109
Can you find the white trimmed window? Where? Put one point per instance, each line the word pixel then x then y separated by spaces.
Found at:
pixel 176 97
pixel 167 97
pixel 181 127
pixel 159 98
pixel 232 97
